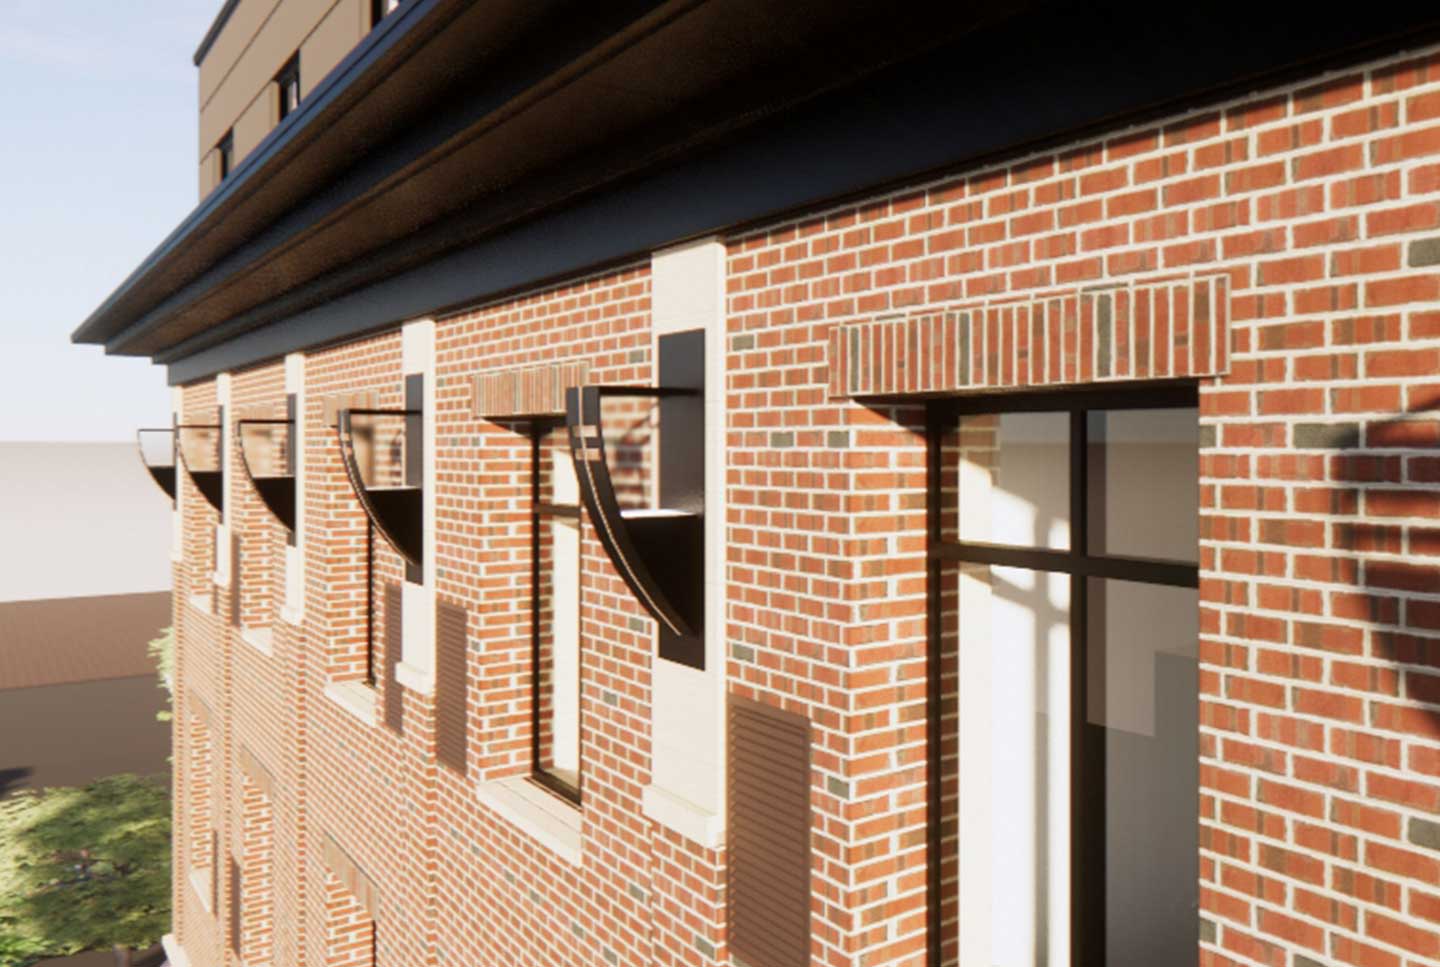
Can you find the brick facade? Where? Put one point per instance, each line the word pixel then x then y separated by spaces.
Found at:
pixel 1282 251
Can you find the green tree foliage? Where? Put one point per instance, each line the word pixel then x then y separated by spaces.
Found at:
pixel 84 868
pixel 162 651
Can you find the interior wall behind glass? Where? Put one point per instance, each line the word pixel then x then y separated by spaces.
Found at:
pixel 1142 755
pixel 1014 772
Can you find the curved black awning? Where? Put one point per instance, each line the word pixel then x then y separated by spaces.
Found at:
pixel 158 456
pixel 267 452
pixel 381 453
pixel 199 447
pixel 658 551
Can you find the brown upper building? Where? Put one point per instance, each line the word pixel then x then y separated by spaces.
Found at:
pixel 259 59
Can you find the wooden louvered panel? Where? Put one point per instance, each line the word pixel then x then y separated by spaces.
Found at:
pixel 394 633
pixel 235 580
pixel 450 685
pixel 215 871
pixel 236 912
pixel 768 841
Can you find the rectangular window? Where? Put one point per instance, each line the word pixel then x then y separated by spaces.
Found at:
pixel 288 84
pixel 1066 530
pixel 380 9
pixel 225 151
pixel 555 575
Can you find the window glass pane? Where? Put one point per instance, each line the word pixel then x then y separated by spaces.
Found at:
pixel 1141 755
pixel 1142 475
pixel 1014 479
pixel 557 671
pixel 1014 767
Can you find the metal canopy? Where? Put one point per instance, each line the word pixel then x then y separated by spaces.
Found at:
pixel 380 451
pixel 199 446
pixel 267 452
pixel 658 551
pixel 158 457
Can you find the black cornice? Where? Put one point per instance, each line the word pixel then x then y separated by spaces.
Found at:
pixel 1010 85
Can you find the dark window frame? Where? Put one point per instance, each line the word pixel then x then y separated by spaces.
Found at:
pixel 226 149
pixel 540 515
pixel 1087 895
pixel 380 9
pixel 288 81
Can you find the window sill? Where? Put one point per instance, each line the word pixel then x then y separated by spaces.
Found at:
pixel 683 816
pixel 547 819
pixel 294 617
pixel 220 579
pixel 416 679
pixel 357 698
pixel 175 954
pixel 203 601
pixel 261 639
pixel 200 883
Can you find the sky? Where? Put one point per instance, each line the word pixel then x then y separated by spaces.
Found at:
pixel 98 164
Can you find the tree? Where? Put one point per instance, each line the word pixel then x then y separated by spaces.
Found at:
pixel 162 650
pixel 84 868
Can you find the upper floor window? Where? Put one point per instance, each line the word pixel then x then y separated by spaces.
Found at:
pixel 379 9
pixel 555 672
pixel 226 151
pixel 288 81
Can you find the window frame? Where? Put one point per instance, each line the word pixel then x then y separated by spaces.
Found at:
pixel 225 151
pixel 1087 898
pixel 288 75
pixel 380 9
pixel 541 514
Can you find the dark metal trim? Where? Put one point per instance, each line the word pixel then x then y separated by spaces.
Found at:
pixel 163 476
pixel 273 492
pixel 639 562
pixel 934 699
pixel 410 546
pixel 1145 570
pixel 210 483
pixel 548 781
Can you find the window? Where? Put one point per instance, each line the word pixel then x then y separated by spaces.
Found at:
pixel 555 612
pixel 288 83
pixel 1066 542
pixel 225 151
pixel 380 9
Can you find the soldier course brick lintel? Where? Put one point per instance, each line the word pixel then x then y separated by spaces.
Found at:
pixel 1166 329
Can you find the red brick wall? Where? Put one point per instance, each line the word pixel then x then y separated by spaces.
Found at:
pixel 1318 203
pixel 1320 732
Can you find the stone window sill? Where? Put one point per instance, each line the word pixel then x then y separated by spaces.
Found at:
pixel 174 953
pixel 357 698
pixel 203 601
pixel 261 639
pixel 294 617
pixel 200 882
pixel 545 818
pixel 683 816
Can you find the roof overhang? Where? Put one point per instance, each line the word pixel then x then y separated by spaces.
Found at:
pixel 464 150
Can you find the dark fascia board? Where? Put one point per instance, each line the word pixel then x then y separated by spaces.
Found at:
pixel 213 34
pixel 350 79
pixel 443 138
pixel 899 126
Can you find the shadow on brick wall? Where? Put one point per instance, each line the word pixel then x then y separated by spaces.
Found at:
pixel 1387 482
